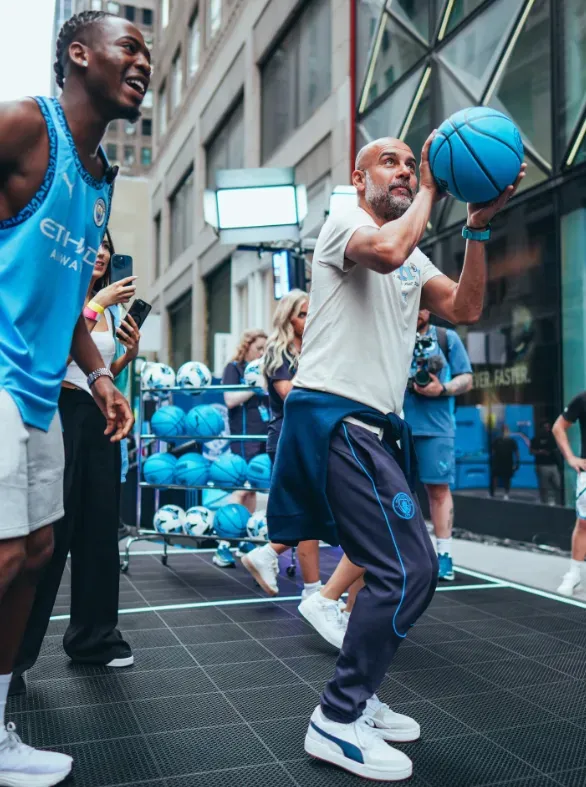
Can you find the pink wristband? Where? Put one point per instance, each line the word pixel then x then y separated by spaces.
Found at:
pixel 89 314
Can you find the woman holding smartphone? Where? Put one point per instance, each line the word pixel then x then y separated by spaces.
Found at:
pixel 93 470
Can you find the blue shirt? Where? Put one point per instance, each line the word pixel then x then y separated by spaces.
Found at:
pixel 434 417
pixel 298 508
pixel 47 255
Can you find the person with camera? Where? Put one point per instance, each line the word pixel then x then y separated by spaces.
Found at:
pixel 440 371
pixel 91 489
pixel 574 412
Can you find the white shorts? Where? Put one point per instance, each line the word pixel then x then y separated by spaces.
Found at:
pixel 31 472
pixel 581 496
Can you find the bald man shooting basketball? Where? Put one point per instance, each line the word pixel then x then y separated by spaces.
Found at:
pixel 343 471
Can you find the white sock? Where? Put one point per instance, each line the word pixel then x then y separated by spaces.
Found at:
pixel 312 586
pixel 575 568
pixel 4 684
pixel 444 546
pixel 271 551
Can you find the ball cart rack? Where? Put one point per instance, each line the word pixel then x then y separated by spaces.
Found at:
pixel 193 494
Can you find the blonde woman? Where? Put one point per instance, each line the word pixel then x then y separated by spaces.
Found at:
pixel 280 364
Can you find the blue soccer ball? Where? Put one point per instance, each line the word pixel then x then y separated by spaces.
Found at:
pixel 192 470
pixel 159 469
pixel 229 470
pixel 204 421
pixel 231 520
pixel 168 422
pixel 476 154
pixel 259 471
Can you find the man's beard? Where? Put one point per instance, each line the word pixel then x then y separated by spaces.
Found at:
pixel 384 204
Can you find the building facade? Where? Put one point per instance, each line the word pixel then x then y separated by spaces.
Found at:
pixel 417 62
pixel 238 84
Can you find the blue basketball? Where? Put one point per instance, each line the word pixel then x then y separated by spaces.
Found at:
pixel 168 422
pixel 192 470
pixel 476 154
pixel 231 520
pixel 204 421
pixel 159 468
pixel 229 470
pixel 259 471
pixel 214 498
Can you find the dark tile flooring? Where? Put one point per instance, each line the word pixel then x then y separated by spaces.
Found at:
pixel 221 694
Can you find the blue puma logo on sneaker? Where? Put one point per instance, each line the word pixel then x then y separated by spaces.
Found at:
pixel 350 750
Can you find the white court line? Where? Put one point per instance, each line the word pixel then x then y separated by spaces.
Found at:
pixel 240 601
pixel 525 588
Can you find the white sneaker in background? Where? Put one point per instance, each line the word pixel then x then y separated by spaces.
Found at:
pixel 325 617
pixel 263 564
pixel 391 726
pixel 570 583
pixel 23 766
pixel 357 748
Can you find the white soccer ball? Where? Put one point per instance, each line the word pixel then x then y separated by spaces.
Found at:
pixel 170 520
pixel 194 374
pixel 199 521
pixel 256 526
pixel 155 376
pixel 254 375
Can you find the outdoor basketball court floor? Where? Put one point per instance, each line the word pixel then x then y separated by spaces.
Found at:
pixel 225 681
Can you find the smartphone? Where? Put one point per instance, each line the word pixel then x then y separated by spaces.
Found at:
pixel 120 267
pixel 139 311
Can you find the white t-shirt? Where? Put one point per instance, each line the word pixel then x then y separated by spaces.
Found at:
pixel 361 325
pixel 106 344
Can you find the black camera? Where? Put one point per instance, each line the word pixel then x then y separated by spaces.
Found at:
pixel 426 365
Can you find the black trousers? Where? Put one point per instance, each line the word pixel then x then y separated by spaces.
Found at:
pixel 89 530
pixel 381 528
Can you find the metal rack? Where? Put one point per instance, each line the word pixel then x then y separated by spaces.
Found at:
pixel 193 493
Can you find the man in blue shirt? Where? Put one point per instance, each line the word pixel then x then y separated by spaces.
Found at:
pixel 55 196
pixel 429 411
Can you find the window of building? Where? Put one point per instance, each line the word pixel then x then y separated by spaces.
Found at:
pixel 113 8
pixel 180 331
pixel 147 127
pixel 113 126
pixel 158 248
pixel 146 157
pixel 226 149
pixel 129 128
pixel 129 155
pixel 214 17
pixel 181 214
pixel 149 41
pixel 296 79
pixel 176 80
pixel 111 152
pixel 147 17
pixel 130 12
pixel 218 308
pixel 147 101
pixel 194 45
pixel 162 111
pixel 164 13
pixel 96 5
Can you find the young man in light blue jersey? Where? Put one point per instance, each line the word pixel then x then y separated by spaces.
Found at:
pixel 55 196
pixel 429 411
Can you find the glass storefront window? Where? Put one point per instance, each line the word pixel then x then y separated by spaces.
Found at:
pixel 387 119
pixel 414 13
pixel 367 16
pixel 573 54
pixel 524 91
pixel 515 355
pixel 459 11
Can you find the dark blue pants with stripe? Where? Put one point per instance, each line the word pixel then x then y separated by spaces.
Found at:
pixel 381 529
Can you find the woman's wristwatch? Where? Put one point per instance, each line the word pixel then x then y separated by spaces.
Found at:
pixel 103 372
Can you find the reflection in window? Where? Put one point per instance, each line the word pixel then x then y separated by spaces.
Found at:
pixel 296 79
pixel 194 43
pixel 367 16
pixel 226 150
pixel 176 81
pixel 182 216
pixel 573 52
pixel 146 157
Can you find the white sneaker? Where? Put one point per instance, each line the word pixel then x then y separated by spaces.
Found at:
pixel 357 748
pixel 325 617
pixel 264 567
pixel 570 583
pixel 307 592
pixel 125 662
pixel 391 726
pixel 23 766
